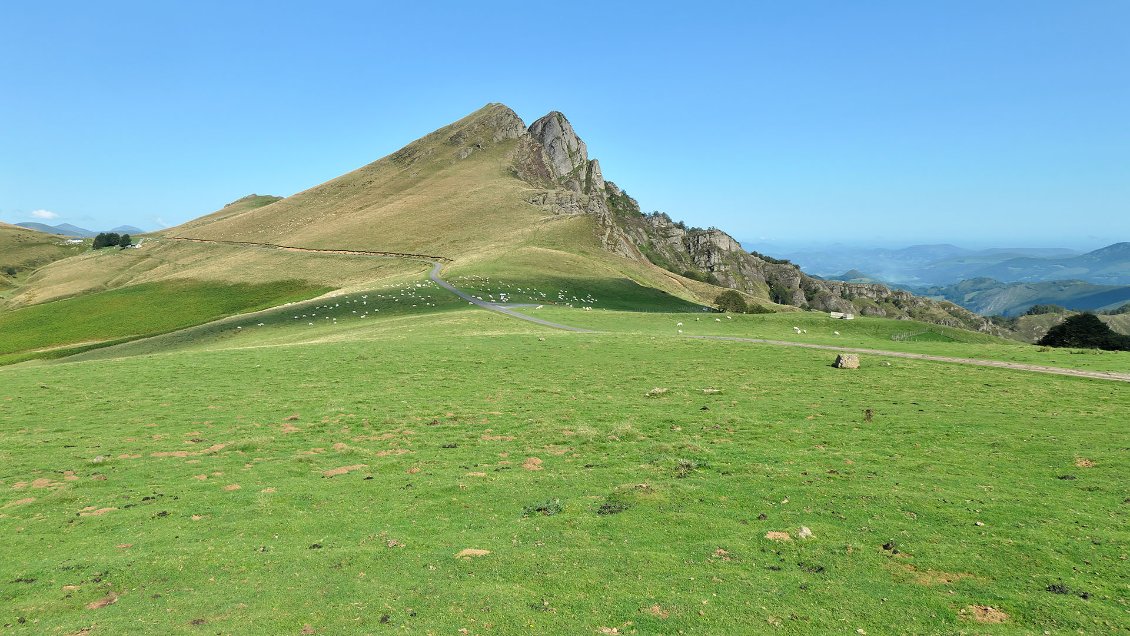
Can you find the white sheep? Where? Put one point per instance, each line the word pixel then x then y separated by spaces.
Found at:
pixel 678 324
pixel 836 332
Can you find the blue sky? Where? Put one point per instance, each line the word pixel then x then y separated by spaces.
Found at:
pixel 1004 123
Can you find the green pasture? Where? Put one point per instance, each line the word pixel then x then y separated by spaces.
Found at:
pixel 63 327
pixel 271 482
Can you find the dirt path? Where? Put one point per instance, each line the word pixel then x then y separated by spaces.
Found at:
pixel 291 248
pixel 1099 375
pixel 434 275
pixel 437 265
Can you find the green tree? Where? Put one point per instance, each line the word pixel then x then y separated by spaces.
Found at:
pixel 1085 331
pixel 731 301
pixel 106 239
pixel 124 241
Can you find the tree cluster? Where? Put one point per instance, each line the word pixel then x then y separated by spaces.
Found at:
pixel 111 239
pixel 730 301
pixel 1085 331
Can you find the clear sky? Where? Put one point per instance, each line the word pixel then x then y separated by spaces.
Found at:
pixel 1003 122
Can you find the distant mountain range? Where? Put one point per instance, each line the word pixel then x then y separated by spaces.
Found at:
pixel 66 229
pixel 992 282
pixel 947 264
pixel 991 297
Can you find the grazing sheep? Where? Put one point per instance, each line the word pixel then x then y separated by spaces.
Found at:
pixel 678 324
pixel 836 332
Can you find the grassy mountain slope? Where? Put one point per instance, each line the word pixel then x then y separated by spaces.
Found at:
pixel 23 250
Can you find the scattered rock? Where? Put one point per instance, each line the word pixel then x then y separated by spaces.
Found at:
pixel 846 361
pixel 805 533
pixel 656 392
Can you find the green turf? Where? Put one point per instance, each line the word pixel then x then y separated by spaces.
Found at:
pixel 660 526
pixel 65 326
pixel 865 332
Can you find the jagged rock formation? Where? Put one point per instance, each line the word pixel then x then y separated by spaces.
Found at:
pixel 554 159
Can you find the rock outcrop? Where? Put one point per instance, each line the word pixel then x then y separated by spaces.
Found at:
pixel 553 159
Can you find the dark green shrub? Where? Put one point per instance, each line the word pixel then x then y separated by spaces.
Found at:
pixel 1085 331
pixel 731 301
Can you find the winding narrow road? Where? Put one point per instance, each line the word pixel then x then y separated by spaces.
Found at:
pixel 434 275
pixel 1000 364
pixel 437 265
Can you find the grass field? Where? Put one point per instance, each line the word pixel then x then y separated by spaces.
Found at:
pixel 64 327
pixel 326 477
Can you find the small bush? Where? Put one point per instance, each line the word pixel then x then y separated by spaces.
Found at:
pixel 549 507
pixel 731 301
pixel 612 507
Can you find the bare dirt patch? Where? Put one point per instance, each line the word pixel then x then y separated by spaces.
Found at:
pixel 394 451
pixel 109 599
pixel 778 536
pixel 657 611
pixel 413 470
pixel 20 502
pixel 231 487
pixel 532 463
pixel 43 482
pixel 290 428
pixel 476 474
pixel 268 490
pixel 983 614
pixel 94 511
pixel 497 438
pixel 471 552
pixel 1083 462
pixel 69 475
pixel 334 472
pixel 935 577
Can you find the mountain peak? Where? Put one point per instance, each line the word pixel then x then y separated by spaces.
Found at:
pixel 566 152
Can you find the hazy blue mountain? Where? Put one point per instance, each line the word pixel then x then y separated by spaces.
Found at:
pixel 66 229
pixel 1109 265
pixel 127 229
pixel 941 265
pixel 991 297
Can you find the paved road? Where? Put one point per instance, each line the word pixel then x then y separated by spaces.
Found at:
pixel 434 275
pixel 1100 375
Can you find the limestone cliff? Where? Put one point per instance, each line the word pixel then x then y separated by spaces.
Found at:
pixel 554 160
